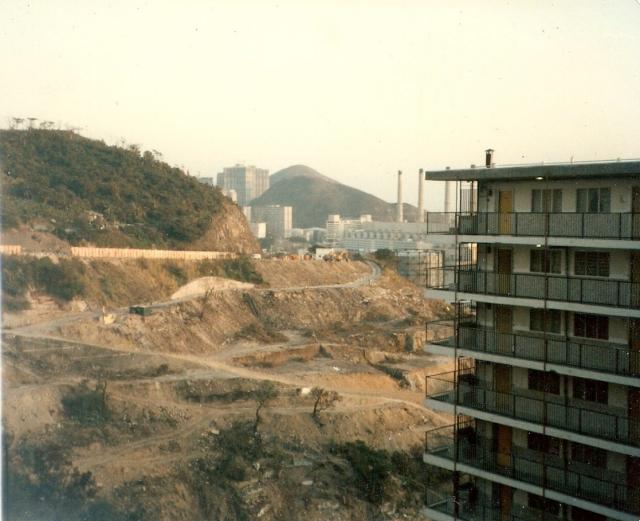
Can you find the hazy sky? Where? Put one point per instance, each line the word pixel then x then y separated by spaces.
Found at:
pixel 356 90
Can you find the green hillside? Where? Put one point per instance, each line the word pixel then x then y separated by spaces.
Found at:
pixel 83 190
pixel 313 197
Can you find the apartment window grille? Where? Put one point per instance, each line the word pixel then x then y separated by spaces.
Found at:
pixel 590 390
pixel 591 326
pixel 593 200
pixel 591 263
pixel 548 320
pixel 544 382
pixel 588 455
pixel 545 261
pixel 546 200
pixel 542 443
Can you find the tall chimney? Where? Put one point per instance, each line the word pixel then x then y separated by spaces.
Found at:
pixel 420 197
pixel 488 157
pixel 399 217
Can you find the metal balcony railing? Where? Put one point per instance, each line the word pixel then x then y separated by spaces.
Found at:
pixel 470 509
pixel 583 290
pixel 597 485
pixel 592 355
pixel 624 225
pixel 582 417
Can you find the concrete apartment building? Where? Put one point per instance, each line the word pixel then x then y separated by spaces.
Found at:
pixel 278 219
pixel 248 182
pixel 545 391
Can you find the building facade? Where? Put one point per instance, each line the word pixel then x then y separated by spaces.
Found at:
pixel 248 182
pixel 545 391
pixel 278 219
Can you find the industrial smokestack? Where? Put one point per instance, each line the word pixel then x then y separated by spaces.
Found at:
pixel 399 217
pixel 420 196
pixel 488 157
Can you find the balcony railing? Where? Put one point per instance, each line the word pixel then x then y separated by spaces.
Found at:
pixel 597 485
pixel 581 417
pixel 562 224
pixel 480 510
pixel 583 290
pixel 592 355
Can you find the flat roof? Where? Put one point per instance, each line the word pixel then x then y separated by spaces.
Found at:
pixel 616 168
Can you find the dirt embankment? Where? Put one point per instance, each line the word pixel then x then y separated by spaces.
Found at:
pixel 206 326
pixel 161 410
pixel 282 274
pixel 115 283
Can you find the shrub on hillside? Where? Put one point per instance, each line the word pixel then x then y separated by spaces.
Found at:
pixel 372 469
pixel 86 405
pixel 62 281
pixel 242 269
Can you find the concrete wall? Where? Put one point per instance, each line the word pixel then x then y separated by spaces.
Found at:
pixel 10 249
pixel 620 193
pixel 132 253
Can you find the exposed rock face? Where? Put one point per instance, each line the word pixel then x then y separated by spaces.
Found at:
pixel 229 231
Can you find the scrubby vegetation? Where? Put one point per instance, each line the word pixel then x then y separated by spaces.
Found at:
pixel 48 486
pixel 241 269
pixel 86 405
pixel 62 281
pixel 108 282
pixel 84 190
pixel 380 474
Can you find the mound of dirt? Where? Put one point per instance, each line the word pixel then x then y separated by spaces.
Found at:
pixel 284 274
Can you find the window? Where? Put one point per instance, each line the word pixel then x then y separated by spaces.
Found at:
pixel 591 326
pixel 543 381
pixel 545 320
pixel 590 390
pixel 545 261
pixel 546 201
pixel 592 263
pixel 589 455
pixel 543 504
pixel 593 200
pixel 542 443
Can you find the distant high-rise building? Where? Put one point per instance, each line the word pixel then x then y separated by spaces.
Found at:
pixel 279 219
pixel 249 182
pixel 207 181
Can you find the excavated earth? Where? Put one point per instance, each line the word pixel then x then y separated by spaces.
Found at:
pixel 174 383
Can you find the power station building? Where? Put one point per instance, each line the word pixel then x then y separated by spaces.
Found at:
pixel 545 391
pixel 248 182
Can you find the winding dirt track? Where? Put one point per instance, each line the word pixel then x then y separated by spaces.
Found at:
pixel 200 418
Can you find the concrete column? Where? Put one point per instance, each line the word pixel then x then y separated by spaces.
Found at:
pixel 420 196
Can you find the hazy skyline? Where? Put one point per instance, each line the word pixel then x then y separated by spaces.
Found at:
pixel 356 90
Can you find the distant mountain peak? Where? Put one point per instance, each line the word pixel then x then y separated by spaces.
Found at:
pixel 314 196
pixel 296 171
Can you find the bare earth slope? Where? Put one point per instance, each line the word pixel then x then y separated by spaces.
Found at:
pixel 168 427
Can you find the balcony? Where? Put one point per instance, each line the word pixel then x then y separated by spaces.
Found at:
pixel 551 410
pixel 624 226
pixel 568 478
pixel 478 510
pixel 590 355
pixel 564 288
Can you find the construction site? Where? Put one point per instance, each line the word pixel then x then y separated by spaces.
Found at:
pixel 213 398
